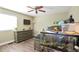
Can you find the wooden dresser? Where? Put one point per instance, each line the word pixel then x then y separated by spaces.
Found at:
pixel 23 35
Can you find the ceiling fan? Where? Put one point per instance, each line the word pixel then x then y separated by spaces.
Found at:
pixel 36 9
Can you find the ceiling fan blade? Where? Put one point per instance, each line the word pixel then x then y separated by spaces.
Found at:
pixel 42 10
pixel 30 7
pixel 39 7
pixel 30 10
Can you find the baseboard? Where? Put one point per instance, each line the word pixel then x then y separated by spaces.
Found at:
pixel 1 44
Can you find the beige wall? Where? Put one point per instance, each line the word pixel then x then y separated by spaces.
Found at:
pixel 75 12
pixel 20 18
pixel 6 36
pixel 40 22
pixel 45 21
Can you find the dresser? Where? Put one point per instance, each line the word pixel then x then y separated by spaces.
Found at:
pixel 23 35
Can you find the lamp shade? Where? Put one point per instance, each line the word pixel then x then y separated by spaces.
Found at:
pixel 76 27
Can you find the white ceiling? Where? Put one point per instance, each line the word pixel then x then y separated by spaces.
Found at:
pixel 22 7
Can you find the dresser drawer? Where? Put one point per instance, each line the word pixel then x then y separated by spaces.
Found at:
pixel 23 35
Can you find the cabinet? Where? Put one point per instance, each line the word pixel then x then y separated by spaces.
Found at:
pixel 23 35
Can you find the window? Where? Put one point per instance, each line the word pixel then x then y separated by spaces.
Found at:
pixel 7 22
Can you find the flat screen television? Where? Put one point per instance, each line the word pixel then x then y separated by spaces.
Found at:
pixel 26 22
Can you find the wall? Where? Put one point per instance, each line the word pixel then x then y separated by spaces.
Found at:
pixel 20 18
pixel 45 21
pixel 6 36
pixel 40 22
pixel 75 12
